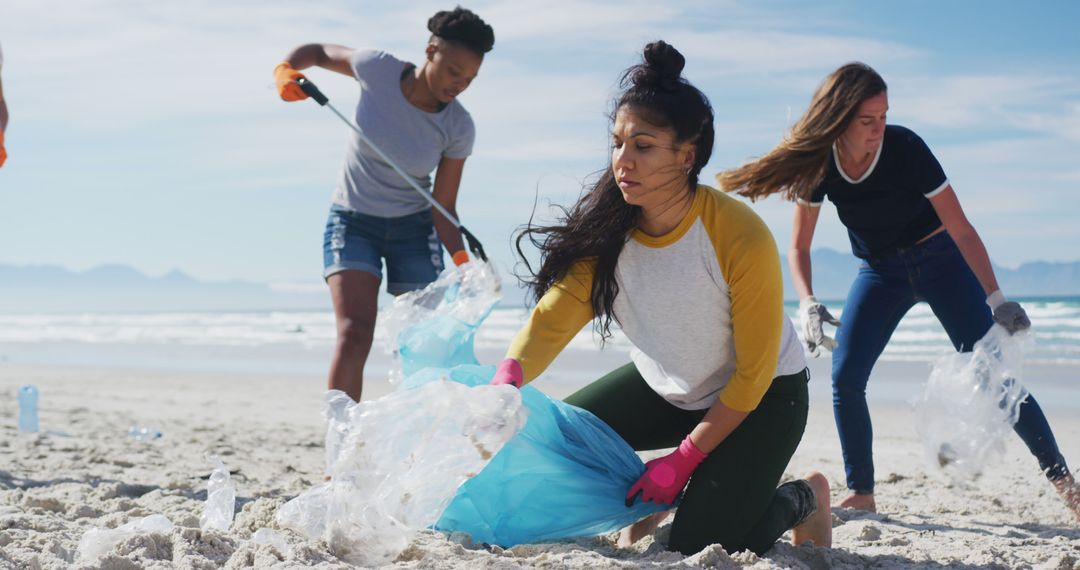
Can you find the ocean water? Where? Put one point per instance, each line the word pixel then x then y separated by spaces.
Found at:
pixel 301 342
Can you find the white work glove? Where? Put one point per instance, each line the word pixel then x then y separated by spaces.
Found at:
pixel 1008 314
pixel 813 316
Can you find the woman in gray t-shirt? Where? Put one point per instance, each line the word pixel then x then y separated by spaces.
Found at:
pixel 413 115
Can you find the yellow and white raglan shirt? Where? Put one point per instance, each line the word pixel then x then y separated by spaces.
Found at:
pixel 703 306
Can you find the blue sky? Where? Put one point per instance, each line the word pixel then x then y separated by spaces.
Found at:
pixel 149 133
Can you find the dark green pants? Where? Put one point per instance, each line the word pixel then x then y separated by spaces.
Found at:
pixel 731 499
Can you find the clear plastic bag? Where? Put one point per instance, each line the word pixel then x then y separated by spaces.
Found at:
pixel 398 463
pixel 970 404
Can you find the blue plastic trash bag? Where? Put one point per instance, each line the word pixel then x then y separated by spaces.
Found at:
pixel 435 326
pixel 564 475
pixel 441 341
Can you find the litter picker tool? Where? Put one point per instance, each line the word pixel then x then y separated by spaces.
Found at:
pixel 473 244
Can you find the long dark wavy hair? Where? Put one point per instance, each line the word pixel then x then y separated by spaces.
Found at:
pixel 598 225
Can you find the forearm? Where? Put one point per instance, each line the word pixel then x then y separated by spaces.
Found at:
pixel 801 274
pixel 716 426
pixel 327 56
pixel 3 110
pixel 448 233
pixel 558 316
pixel 974 252
pixel 307 55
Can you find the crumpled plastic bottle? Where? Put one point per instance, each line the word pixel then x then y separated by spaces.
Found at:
pixel 971 403
pixel 220 498
pixel 28 408
pixel 336 406
pixel 271 537
pixel 143 433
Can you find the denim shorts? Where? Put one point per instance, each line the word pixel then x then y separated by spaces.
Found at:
pixel 359 242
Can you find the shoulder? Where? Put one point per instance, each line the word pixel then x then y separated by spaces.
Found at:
pixel 371 55
pixel 740 239
pixel 459 122
pixel 904 144
pixel 720 210
pixel 367 59
pixel 461 117
pixel 897 134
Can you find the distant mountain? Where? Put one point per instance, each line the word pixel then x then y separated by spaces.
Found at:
pixel 833 272
pixel 46 288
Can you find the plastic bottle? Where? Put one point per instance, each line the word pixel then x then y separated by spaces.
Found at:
pixel 28 416
pixel 140 433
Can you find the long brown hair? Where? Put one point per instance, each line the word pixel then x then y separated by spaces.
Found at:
pixel 798 164
pixel 598 225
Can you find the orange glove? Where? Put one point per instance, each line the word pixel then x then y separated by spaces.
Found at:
pixel 3 153
pixel 460 257
pixel 286 78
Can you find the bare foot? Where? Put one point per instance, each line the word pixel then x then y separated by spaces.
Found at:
pixel 817 528
pixel 640 529
pixel 1070 493
pixel 860 502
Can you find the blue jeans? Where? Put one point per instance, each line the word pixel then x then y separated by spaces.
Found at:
pixel 358 242
pixel 933 271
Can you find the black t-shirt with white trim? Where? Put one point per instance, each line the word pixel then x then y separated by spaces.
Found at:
pixel 888 208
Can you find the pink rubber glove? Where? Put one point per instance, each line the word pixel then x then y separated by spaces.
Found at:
pixel 509 372
pixel 666 476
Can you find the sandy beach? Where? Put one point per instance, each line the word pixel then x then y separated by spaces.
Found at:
pixel 84 471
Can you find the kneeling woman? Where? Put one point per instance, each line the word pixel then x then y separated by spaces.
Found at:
pixel 693 279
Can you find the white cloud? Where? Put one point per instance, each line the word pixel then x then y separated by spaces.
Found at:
pixel 115 76
pixel 1030 101
pixel 743 51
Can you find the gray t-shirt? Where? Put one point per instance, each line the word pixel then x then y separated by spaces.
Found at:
pixel 414 139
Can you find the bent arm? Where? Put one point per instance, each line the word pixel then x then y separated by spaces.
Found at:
pixel 751 264
pixel 802 235
pixel 327 56
pixel 3 109
pixel 445 191
pixel 557 318
pixel 716 426
pixel 971 247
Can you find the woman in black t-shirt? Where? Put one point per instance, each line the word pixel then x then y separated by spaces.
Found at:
pixel 906 224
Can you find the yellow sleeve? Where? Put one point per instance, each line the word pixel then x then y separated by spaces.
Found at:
pixel 750 264
pixel 557 318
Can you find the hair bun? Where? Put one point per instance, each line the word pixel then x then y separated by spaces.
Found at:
pixel 462 25
pixel 662 67
pixel 435 22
